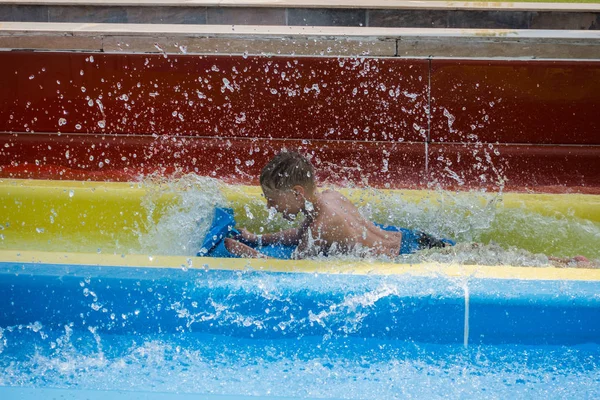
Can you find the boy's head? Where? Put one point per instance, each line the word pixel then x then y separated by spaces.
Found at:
pixel 287 180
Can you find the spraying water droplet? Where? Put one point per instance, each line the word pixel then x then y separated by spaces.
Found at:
pixel 451 119
pixel 226 85
pixel 100 106
pixel 239 119
pixel 36 326
pixel 248 212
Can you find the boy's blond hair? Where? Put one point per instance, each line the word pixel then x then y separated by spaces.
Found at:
pixel 286 170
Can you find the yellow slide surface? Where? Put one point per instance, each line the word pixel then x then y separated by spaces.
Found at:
pixel 99 223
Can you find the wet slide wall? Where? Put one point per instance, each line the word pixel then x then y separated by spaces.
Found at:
pixel 383 122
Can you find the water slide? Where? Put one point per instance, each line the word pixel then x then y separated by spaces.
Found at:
pixel 119 137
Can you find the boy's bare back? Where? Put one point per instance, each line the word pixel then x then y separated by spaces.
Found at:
pixel 332 224
pixel 335 226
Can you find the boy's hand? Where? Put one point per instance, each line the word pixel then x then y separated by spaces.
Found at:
pixel 241 249
pixel 247 237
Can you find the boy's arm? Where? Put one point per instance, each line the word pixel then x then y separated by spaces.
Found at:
pixel 240 249
pixel 289 237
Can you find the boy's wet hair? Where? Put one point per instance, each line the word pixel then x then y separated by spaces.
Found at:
pixel 286 170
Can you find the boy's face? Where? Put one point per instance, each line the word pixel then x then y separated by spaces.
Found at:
pixel 286 202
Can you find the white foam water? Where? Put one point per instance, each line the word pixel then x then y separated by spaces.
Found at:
pixel 487 232
pixel 312 367
pixel 180 228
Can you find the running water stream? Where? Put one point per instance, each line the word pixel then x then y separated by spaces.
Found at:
pixel 488 233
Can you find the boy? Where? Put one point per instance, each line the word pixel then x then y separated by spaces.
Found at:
pixel 332 224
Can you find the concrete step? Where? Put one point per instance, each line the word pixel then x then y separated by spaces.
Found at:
pixel 301 41
pixel 350 13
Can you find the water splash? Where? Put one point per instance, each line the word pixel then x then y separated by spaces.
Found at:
pixel 490 233
pixel 179 228
pixel 175 214
pixel 512 233
pixel 220 365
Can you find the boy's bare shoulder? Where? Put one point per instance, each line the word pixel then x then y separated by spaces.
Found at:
pixel 328 192
pixel 337 202
pixel 335 212
pixel 334 197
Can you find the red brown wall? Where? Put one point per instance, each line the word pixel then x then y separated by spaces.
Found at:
pixel 379 122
